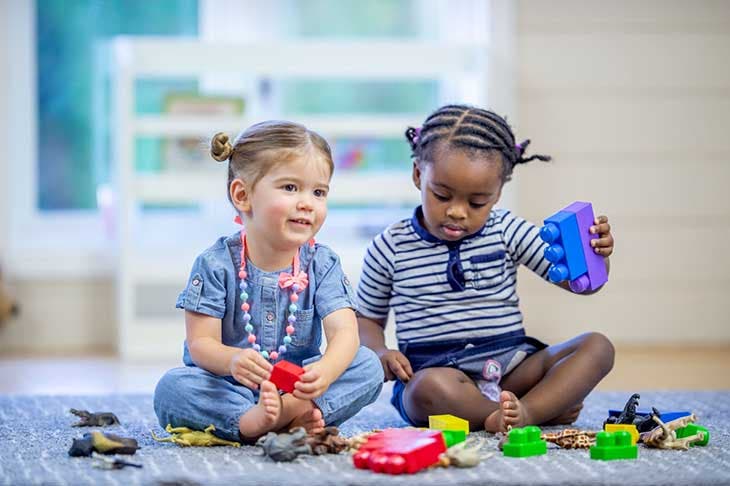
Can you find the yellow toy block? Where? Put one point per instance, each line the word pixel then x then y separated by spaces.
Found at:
pixel 448 422
pixel 630 428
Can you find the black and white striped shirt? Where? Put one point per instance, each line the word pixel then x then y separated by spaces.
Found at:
pixel 443 290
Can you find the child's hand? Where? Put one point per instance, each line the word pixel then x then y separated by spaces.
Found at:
pixel 249 368
pixel 395 365
pixel 313 383
pixel 603 245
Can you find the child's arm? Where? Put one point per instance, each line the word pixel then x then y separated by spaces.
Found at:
pixel 203 335
pixel 340 327
pixel 395 364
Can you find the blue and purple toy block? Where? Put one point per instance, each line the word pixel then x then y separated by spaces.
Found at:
pixel 570 252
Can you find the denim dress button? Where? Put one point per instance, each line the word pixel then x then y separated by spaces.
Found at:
pixel 196 282
pixel 270 316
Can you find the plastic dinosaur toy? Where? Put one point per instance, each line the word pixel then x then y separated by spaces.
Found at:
pixel 328 441
pixel 89 419
pixel 571 438
pixel 464 454
pixel 186 437
pixel 285 447
pixel 102 462
pixel 628 415
pixel 102 443
pixel 665 436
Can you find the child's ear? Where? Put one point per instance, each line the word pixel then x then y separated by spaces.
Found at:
pixel 240 195
pixel 416 175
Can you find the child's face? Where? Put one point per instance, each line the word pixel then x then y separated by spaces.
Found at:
pixel 458 191
pixel 289 204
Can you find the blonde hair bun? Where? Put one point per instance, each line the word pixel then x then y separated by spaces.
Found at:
pixel 220 147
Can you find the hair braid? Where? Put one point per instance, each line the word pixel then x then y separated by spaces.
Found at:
pixel 469 128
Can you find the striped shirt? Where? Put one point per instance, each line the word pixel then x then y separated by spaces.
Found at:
pixel 443 290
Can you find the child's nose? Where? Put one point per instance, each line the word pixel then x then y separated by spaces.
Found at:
pixel 305 203
pixel 456 211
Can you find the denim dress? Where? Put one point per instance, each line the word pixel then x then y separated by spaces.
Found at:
pixel 192 397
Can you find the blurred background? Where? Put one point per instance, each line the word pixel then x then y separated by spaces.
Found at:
pixel 107 192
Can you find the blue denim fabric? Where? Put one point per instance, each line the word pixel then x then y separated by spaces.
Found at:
pixel 192 397
pixel 213 290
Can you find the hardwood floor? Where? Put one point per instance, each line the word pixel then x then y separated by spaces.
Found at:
pixel 636 368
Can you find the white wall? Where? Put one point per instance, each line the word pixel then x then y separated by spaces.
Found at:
pixel 633 101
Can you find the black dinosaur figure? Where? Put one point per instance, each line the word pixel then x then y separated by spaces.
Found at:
pixel 102 443
pixel 643 423
pixel 628 414
pixel 89 419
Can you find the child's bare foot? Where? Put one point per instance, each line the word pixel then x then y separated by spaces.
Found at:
pixel 311 420
pixel 262 417
pixel 568 417
pixel 511 413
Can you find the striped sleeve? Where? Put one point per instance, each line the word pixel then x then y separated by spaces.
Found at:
pixel 524 244
pixel 376 279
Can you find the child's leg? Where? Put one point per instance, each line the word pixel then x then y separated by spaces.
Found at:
pixel 553 382
pixel 264 416
pixel 357 387
pixel 434 391
pixel 192 397
pixel 299 413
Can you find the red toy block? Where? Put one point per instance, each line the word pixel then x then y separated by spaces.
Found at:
pixel 285 374
pixel 396 451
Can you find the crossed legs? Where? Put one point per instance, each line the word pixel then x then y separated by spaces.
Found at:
pixel 546 388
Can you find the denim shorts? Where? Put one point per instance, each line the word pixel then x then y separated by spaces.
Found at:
pixel 469 356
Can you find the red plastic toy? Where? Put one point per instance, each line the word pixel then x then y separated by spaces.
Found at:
pixel 396 451
pixel 285 374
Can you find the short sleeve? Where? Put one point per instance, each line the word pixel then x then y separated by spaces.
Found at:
pixel 376 279
pixel 206 289
pixel 333 290
pixel 524 244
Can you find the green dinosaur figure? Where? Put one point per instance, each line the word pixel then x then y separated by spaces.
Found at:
pixel 186 437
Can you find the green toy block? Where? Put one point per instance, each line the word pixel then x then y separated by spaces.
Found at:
pixel 692 429
pixel 452 437
pixel 614 445
pixel 524 442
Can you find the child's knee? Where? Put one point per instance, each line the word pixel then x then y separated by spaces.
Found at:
pixel 601 349
pixel 430 387
pixel 168 393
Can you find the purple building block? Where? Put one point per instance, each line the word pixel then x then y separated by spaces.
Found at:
pixel 596 274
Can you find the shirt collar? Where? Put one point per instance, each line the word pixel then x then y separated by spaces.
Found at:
pixel 424 234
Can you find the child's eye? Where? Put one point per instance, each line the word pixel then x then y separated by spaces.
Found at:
pixel 440 197
pixel 477 205
pixel 290 187
pixel 320 193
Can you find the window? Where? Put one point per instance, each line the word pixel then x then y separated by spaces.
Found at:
pixel 62 130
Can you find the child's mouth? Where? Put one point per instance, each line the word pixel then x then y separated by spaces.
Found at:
pixel 453 231
pixel 301 222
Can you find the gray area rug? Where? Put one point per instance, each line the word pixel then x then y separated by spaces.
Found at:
pixel 36 433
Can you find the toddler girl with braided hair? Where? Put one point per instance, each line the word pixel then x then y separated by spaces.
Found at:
pixel 449 275
pixel 266 294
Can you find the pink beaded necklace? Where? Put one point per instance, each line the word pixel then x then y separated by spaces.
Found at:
pixel 296 282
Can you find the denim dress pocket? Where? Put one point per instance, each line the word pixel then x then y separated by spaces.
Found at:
pixel 302 337
pixel 488 270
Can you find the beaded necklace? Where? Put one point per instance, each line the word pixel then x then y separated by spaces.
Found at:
pixel 296 282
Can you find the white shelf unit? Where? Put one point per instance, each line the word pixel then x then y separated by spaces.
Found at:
pixel 460 69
